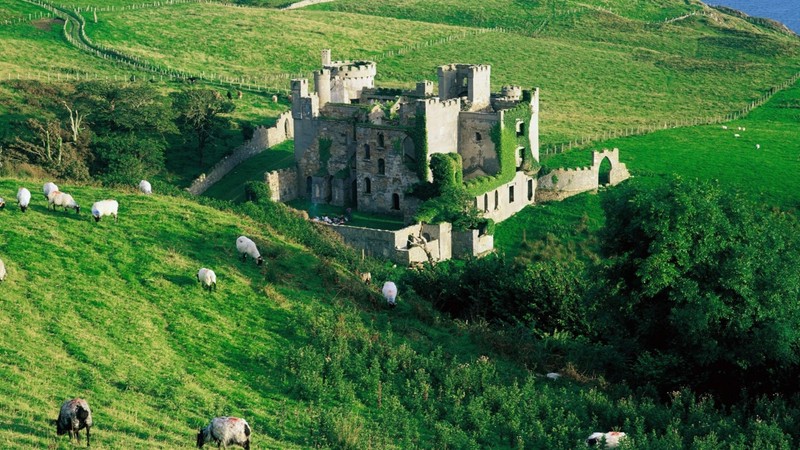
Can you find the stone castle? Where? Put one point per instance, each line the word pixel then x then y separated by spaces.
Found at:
pixel 366 147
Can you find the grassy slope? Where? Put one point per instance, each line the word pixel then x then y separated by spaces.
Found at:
pixel 707 152
pixel 230 186
pixel 621 72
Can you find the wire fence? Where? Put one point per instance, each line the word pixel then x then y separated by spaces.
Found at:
pixel 678 123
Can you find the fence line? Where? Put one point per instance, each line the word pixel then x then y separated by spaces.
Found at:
pixel 645 129
pixel 27 18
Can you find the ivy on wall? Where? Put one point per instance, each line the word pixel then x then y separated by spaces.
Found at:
pixel 324 156
pixel 419 134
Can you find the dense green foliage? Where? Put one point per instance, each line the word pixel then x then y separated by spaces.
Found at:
pixel 701 283
pixel 203 113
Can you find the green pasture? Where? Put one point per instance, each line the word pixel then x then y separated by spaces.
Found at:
pixel 768 173
pixel 231 186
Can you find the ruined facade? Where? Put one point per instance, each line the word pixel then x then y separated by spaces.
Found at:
pixel 362 146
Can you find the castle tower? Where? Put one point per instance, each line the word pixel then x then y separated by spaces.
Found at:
pixel 326 57
pixel 466 80
pixel 533 129
pixel 322 84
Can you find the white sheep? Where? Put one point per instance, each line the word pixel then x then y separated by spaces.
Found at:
pixel 246 247
pixel 105 208
pixel 225 431
pixel 2 271
pixel 758 146
pixel 58 198
pixel 724 127
pixel 366 277
pixel 2 203
pixel 48 188
pixel 24 198
pixel 74 416
pixel 207 279
pixel 611 439
pixel 736 135
pixel 145 187
pixel 390 293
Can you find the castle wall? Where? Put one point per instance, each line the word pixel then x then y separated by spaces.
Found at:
pixel 533 125
pixel 562 183
pixel 470 243
pixel 478 151
pixel 499 205
pixel 387 180
pixel 282 184
pixel 263 138
pixel 480 90
pixel 441 122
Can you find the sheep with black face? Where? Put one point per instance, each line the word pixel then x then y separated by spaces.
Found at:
pixel 246 247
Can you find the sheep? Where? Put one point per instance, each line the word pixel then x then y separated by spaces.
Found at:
pixel 48 188
pixel 736 135
pixel 75 415
pixel 611 439
pixel 2 203
pixel 758 146
pixel 225 431
pixel 2 271
pixel 105 208
pixel 553 375
pixel 248 247
pixel 24 198
pixel 207 279
pixel 58 198
pixel 724 127
pixel 366 277
pixel 390 293
pixel 145 187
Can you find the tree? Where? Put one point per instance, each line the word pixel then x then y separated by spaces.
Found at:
pixel 701 288
pixel 130 123
pixel 201 112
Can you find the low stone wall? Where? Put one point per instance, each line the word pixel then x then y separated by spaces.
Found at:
pixel 263 138
pixel 562 183
pixel 470 243
pixel 503 202
pixel 382 244
pixel 282 184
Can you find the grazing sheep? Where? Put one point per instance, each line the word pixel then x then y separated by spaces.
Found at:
pixel 553 375
pixel 2 203
pixel 145 187
pixel 274 99
pixel 75 415
pixel 390 293
pixel 611 439
pixel 207 278
pixel 105 208
pixel 58 198
pixel 248 247
pixel 2 271
pixel 366 277
pixel 24 198
pixel 48 188
pixel 758 146
pixel 724 127
pixel 736 135
pixel 225 431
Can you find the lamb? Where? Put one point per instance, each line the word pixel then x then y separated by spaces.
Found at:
pixel 225 431
pixel 24 198
pixel 58 198
pixel 207 278
pixel 2 271
pixel 247 247
pixel 105 208
pixel 366 277
pixel 48 188
pixel 611 439
pixel 75 415
pixel 390 293
pixel 145 187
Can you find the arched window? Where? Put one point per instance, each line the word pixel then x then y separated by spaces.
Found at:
pixel 520 128
pixel 366 151
pixel 380 140
pixel 367 185
pixel 395 201
pixel 381 167
pixel 478 137
pixel 309 183
pixel 486 202
pixel 409 150
pixel 496 200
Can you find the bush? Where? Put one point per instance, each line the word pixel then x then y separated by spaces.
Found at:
pixel 257 192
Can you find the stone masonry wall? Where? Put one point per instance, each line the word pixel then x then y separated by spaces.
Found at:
pixel 499 205
pixel 263 138
pixel 562 183
pixel 282 184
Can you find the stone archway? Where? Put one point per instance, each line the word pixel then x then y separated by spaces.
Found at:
pixel 604 172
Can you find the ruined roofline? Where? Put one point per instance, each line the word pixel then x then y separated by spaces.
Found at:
pixel 461 66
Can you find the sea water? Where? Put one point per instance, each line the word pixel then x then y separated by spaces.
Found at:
pixel 784 11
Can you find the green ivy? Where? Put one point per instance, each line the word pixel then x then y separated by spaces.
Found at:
pixel 324 156
pixel 419 134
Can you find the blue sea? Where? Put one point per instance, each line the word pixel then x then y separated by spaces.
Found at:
pixel 784 11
